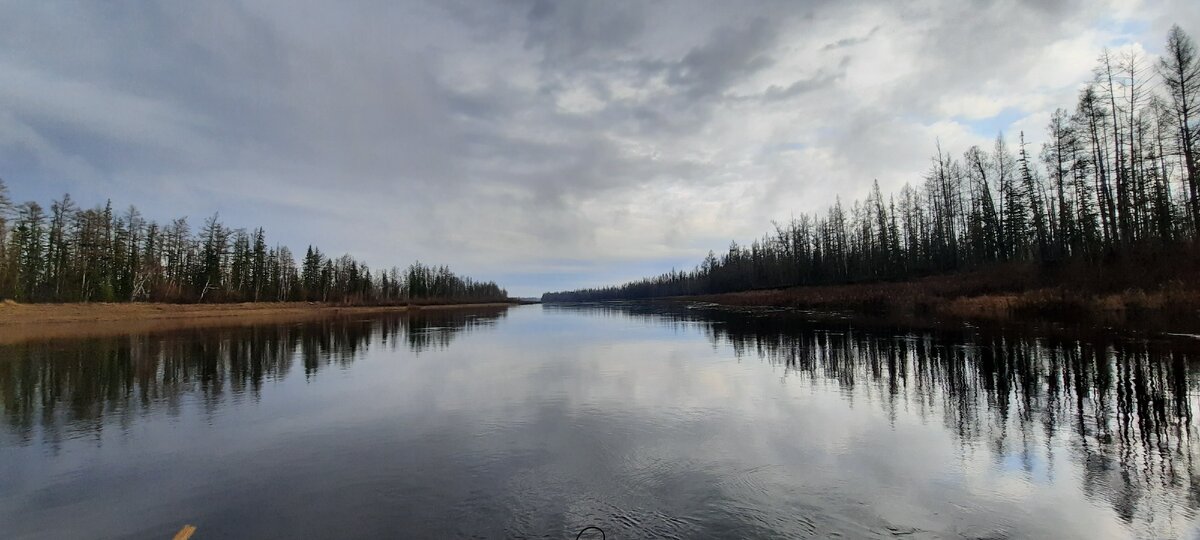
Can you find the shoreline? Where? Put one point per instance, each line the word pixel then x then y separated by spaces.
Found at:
pixel 25 322
pixel 976 298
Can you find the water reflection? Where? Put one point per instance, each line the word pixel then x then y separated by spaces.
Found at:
pixel 649 420
pixel 1124 404
pixel 57 389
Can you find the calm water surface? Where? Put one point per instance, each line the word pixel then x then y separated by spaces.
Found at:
pixel 646 421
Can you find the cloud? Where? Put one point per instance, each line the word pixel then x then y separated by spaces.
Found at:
pixel 527 137
pixel 730 54
pixel 850 41
pixel 820 80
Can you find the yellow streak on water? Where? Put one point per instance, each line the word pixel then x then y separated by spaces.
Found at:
pixel 186 532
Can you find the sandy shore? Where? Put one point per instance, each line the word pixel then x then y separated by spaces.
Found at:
pixel 22 322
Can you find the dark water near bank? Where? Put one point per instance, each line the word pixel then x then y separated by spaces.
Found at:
pixel 646 421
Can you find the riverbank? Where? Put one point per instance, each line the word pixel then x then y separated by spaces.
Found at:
pixel 1015 293
pixel 21 322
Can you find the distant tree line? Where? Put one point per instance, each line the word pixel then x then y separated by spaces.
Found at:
pixel 1118 177
pixel 71 254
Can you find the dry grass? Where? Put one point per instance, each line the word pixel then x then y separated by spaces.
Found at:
pixel 23 322
pixel 1062 303
pixel 1011 292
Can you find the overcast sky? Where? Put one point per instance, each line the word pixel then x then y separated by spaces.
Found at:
pixel 546 145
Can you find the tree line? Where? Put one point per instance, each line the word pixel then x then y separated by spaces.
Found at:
pixel 1117 177
pixel 71 254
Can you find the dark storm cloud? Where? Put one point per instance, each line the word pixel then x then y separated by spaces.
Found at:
pixel 567 32
pixel 730 54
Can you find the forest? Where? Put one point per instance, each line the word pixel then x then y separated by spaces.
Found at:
pixel 72 254
pixel 1116 180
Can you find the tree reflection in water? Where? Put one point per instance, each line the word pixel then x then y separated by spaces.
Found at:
pixel 57 389
pixel 1118 408
pixel 1122 406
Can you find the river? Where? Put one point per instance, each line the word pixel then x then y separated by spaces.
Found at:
pixel 646 420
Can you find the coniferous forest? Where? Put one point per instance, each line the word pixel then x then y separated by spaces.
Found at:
pixel 1118 178
pixel 70 254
